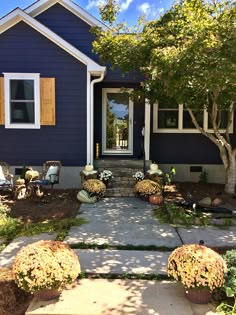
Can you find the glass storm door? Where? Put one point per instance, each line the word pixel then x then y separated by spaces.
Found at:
pixel 117 122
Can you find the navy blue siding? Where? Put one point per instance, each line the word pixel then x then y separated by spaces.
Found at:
pixel 23 49
pixel 191 148
pixel 138 118
pixel 77 32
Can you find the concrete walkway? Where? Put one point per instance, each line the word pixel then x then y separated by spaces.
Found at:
pixel 122 222
pixel 120 297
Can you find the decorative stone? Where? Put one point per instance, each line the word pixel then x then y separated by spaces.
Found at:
pixel 217 202
pixel 205 202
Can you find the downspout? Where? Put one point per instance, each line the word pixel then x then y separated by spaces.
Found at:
pixel 93 82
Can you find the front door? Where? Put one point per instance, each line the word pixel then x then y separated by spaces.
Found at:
pixel 117 122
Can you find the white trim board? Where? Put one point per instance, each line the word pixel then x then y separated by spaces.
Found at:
pixel 131 124
pixel 42 5
pixel 18 15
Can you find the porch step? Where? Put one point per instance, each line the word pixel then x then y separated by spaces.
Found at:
pixel 123 170
pixel 120 192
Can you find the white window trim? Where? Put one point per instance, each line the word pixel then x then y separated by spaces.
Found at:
pixel 22 76
pixel 180 129
pixel 131 105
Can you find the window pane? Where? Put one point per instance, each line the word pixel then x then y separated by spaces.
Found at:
pixel 187 120
pixel 168 119
pixel 22 112
pixel 224 120
pixel 117 116
pixel 22 89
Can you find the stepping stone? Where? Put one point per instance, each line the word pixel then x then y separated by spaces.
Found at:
pixel 211 236
pixel 119 297
pixel 8 254
pixel 124 234
pixel 122 261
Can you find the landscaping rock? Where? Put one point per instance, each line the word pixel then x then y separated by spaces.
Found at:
pixel 205 202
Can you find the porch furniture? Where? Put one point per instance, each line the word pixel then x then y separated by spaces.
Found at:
pixel 50 175
pixel 6 179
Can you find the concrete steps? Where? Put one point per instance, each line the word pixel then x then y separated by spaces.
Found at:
pixel 123 170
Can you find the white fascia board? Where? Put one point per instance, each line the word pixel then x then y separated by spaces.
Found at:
pixel 18 15
pixel 42 5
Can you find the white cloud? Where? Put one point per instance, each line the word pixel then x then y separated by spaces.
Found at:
pixel 94 3
pixel 124 5
pixel 150 9
pixel 144 8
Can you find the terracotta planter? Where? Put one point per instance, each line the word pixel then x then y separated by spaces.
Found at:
pixel 144 197
pixel 47 294
pixel 198 295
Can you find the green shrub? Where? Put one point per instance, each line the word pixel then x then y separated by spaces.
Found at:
pixel 230 284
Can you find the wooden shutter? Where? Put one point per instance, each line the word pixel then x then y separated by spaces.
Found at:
pixel 47 99
pixel 2 116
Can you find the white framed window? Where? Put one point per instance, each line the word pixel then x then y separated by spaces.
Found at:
pixel 22 100
pixel 170 117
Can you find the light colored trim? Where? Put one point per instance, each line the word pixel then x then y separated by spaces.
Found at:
pixel 18 15
pixel 131 113
pixel 147 129
pixel 91 151
pixel 22 76
pixel 42 5
pixel 88 118
pixel 181 129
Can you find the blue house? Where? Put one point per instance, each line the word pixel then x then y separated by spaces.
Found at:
pixel 57 101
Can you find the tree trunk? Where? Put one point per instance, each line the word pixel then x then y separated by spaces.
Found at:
pixel 230 177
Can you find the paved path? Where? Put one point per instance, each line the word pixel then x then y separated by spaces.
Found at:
pixel 123 221
pixel 120 297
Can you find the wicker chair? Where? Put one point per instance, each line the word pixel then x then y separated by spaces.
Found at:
pixel 51 172
pixel 6 179
pixel 50 175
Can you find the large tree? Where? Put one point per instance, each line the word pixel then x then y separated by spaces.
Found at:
pixel 189 54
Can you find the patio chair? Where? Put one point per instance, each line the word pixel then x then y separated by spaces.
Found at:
pixel 6 179
pixel 50 175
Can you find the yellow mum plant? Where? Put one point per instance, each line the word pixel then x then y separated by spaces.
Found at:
pixel 45 265
pixel 197 266
pixel 147 187
pixel 94 187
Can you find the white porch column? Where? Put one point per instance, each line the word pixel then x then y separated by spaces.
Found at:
pixel 147 129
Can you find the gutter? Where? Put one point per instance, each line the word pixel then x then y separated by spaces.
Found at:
pixel 93 82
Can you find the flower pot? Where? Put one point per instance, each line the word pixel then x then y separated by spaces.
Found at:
pixel 198 295
pixel 144 197
pixel 47 294
pixel 106 182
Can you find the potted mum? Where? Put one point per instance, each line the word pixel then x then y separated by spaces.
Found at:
pixel 105 176
pixel 44 268
pixel 138 176
pixel 95 187
pixel 146 188
pixel 199 269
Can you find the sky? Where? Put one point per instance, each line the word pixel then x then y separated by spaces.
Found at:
pixel 130 12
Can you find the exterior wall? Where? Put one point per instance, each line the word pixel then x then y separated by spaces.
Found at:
pixel 69 176
pixel 215 172
pixel 78 33
pixel 138 118
pixel 185 148
pixel 22 49
pixel 70 27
